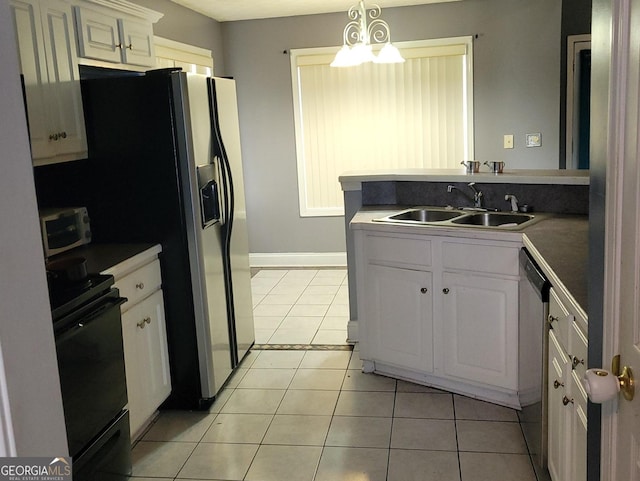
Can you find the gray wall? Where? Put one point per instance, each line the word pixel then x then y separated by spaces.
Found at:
pixel 516 77
pixel 184 25
pixel 28 367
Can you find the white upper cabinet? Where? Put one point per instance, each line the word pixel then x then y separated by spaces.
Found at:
pixel 47 52
pixel 116 32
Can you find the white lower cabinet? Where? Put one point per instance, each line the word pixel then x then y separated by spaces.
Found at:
pixel 146 359
pixel 480 329
pixel 144 336
pixel 567 399
pixel 399 312
pixel 440 311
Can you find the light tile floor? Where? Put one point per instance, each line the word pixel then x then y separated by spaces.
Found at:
pixel 314 416
pixel 303 306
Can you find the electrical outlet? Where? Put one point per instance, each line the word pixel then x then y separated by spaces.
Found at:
pixel 508 141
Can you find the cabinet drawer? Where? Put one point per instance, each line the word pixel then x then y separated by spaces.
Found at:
pixel 486 259
pixel 559 319
pixel 399 250
pixel 578 346
pixel 140 283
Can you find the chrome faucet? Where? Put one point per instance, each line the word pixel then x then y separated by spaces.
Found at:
pixel 514 202
pixel 477 195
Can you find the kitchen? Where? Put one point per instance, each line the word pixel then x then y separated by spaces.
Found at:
pixel 266 159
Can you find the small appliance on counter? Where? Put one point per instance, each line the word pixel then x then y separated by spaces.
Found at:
pixel 64 228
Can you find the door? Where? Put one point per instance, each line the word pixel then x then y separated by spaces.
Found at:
pixel 399 316
pixel 616 55
pixel 237 239
pixel 214 346
pixel 480 325
pixel 67 117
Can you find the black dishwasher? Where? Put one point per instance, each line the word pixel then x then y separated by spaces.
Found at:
pixel 532 337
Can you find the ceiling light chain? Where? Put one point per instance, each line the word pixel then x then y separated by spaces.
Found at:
pixel 358 36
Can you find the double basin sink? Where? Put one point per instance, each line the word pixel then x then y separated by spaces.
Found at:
pixel 459 218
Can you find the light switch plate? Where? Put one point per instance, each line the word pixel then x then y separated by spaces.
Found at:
pixel 533 140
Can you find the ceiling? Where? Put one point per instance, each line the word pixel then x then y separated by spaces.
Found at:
pixel 231 10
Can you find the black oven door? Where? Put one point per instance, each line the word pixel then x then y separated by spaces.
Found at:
pixel 91 366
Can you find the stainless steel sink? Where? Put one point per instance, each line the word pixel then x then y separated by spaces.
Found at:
pixel 493 219
pixel 423 215
pixel 459 218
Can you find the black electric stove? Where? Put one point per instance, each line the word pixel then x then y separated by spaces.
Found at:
pixel 66 297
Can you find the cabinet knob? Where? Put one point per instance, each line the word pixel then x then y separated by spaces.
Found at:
pixel 140 285
pixel 566 400
pixel 424 290
pixel 130 46
pixel 445 290
pixel 53 136
pixel 557 384
pixel 576 361
pixel 143 322
pixel 119 45
pixel 62 135
pixel 551 319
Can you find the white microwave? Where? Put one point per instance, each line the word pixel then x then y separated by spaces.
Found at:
pixel 64 228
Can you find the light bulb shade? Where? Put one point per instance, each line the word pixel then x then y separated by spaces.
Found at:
pixel 363 53
pixel 389 54
pixel 344 58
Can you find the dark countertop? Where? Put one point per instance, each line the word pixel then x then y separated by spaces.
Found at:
pixel 563 243
pixel 101 257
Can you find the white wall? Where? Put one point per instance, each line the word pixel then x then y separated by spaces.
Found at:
pixel 31 403
pixel 517 83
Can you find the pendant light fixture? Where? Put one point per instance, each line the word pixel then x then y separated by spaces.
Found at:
pixel 359 35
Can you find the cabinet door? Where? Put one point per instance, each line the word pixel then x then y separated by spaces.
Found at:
pixel 137 42
pixel 578 448
pixel 480 326
pixel 134 371
pixel 33 67
pixel 98 36
pixel 67 117
pixel 146 359
pixel 399 319
pixel 154 346
pixel 558 431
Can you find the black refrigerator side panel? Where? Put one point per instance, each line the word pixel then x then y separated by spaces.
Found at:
pixel 131 187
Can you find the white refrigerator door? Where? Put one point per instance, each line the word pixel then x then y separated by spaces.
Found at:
pixel 212 326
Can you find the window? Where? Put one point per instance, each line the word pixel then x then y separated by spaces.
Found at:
pixel 417 114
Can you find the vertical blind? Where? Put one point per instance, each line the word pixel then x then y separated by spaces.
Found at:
pixel 379 116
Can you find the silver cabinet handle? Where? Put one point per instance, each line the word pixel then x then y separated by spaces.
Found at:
pixel 566 400
pixel 141 324
pixel 140 285
pixel 424 290
pixel 445 290
pixel 576 361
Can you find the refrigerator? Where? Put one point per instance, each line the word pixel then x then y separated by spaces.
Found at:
pixel 165 166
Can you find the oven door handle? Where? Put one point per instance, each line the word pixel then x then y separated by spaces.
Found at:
pixel 90 317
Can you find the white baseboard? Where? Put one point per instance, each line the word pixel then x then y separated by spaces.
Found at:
pixel 298 259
